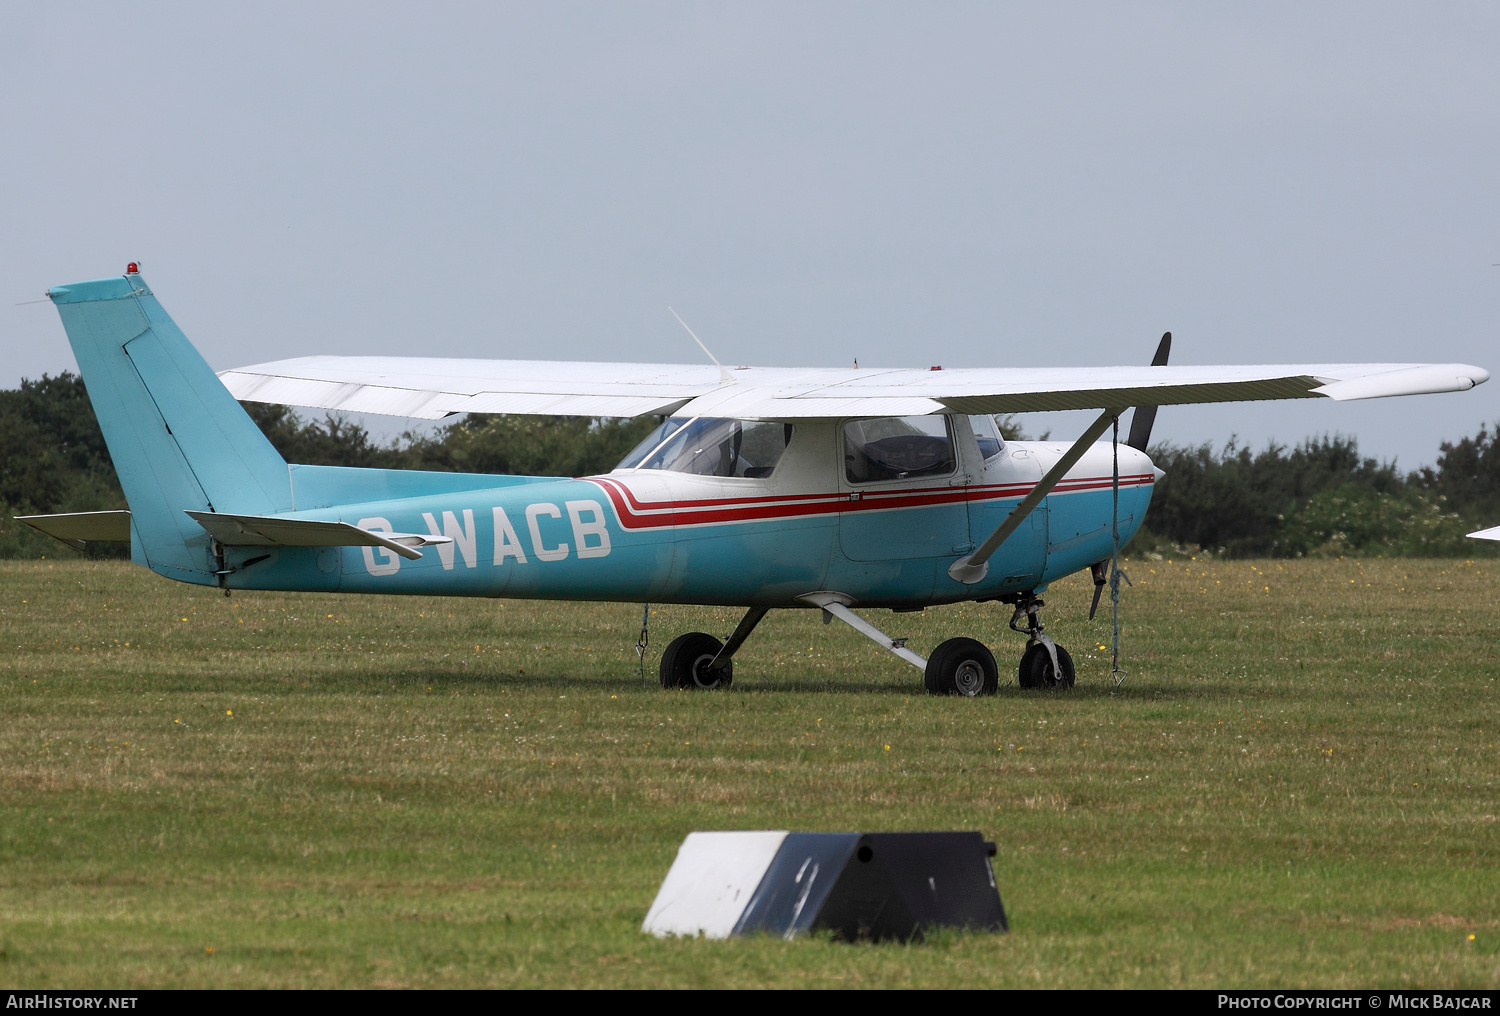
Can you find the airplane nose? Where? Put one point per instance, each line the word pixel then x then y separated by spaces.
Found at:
pixel 1134 460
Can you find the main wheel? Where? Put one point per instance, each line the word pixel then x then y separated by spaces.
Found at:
pixel 684 664
pixel 962 667
pixel 1036 668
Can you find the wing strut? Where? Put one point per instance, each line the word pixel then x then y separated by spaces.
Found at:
pixel 971 569
pixel 837 605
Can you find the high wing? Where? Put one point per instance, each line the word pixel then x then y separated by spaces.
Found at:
pixel 431 388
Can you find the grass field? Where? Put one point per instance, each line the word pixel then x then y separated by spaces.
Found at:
pixel 1297 785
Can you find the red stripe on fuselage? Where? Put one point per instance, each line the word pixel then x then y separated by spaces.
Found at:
pixel 635 514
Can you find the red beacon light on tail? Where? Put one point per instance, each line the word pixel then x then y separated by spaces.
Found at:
pixel 133 268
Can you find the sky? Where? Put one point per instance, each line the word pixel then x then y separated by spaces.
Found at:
pixel 806 183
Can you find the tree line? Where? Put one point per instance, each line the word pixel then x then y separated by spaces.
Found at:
pixel 1318 498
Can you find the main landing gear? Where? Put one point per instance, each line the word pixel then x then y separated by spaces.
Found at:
pixel 1044 664
pixel 685 663
pixel 961 666
pixel 697 660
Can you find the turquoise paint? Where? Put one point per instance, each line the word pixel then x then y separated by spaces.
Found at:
pixel 326 486
pixel 177 437
pixel 1021 560
pixel 769 563
pixel 1080 527
pixel 892 535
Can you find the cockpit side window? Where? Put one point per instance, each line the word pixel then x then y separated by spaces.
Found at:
pixel 897 448
pixel 987 433
pixel 707 446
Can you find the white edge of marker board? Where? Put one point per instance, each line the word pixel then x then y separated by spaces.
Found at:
pixel 711 882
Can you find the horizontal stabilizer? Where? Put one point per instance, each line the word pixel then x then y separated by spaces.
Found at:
pixel 78 528
pixel 273 531
pixel 1486 534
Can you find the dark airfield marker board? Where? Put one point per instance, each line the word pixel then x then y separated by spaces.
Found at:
pixel 859 886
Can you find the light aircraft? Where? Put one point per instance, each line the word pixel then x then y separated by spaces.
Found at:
pixel 763 488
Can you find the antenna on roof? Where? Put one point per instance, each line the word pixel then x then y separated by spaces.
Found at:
pixel 724 378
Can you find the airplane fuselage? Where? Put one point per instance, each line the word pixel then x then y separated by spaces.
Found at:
pixel 660 536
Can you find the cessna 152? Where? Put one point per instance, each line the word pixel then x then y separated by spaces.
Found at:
pixel 763 488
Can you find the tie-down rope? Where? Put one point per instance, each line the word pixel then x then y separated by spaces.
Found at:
pixel 1116 573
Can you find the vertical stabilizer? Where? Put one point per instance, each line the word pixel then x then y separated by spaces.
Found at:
pixel 178 439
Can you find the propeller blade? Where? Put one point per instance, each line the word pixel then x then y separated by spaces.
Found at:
pixel 1097 568
pixel 1144 416
pixel 1163 350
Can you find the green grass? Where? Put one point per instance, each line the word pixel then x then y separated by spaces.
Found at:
pixel 1297 785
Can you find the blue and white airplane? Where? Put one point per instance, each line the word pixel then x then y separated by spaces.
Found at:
pixel 763 488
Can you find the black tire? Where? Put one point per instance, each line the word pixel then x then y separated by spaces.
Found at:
pixel 962 667
pixel 1036 668
pixel 1024 672
pixel 683 663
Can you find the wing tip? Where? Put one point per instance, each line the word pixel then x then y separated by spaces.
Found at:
pixel 1423 379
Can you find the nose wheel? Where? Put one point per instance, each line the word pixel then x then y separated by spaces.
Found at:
pixel 1038 670
pixel 1045 664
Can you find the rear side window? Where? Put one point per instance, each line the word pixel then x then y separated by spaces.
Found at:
pixel 897 448
pixel 712 447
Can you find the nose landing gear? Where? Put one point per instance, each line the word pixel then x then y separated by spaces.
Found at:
pixel 1044 664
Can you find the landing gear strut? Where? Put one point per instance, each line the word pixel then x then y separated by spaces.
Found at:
pixel 697 660
pixel 685 662
pixel 1045 664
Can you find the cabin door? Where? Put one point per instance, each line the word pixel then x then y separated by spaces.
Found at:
pixel 906 493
